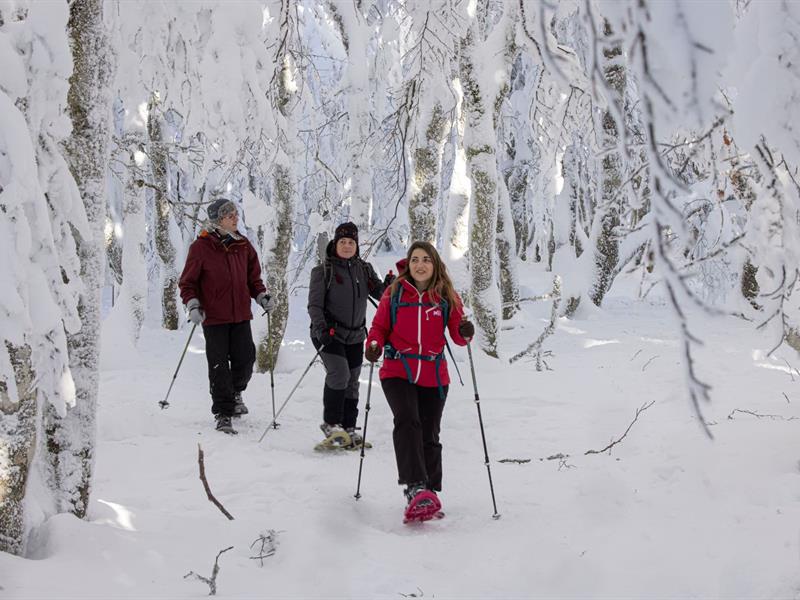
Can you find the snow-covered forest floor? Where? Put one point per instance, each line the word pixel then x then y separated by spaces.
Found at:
pixel 665 513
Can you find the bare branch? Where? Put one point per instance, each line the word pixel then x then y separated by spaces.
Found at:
pixel 211 497
pixel 639 411
pixel 210 581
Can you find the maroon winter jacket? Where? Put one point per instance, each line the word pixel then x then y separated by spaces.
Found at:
pixel 223 277
pixel 418 330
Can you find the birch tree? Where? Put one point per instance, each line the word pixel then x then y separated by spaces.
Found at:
pixel 278 243
pixel 480 64
pixel 72 438
pixel 40 267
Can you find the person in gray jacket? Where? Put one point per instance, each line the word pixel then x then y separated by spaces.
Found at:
pixel 337 305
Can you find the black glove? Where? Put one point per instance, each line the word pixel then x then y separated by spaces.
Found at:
pixel 466 329
pixel 326 336
pixel 387 281
pixel 373 352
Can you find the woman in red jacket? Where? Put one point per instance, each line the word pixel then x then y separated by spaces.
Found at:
pixel 409 327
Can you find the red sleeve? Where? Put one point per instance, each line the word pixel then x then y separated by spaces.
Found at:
pixel 382 321
pixel 189 283
pixel 456 315
pixel 254 283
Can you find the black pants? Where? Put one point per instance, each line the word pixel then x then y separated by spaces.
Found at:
pixel 340 396
pixel 231 354
pixel 417 419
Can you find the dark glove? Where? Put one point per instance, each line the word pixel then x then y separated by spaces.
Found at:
pixel 265 301
pixel 466 329
pixel 196 313
pixel 387 281
pixel 373 352
pixel 326 336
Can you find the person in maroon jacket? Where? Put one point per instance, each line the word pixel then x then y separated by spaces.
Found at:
pixel 409 326
pixel 221 275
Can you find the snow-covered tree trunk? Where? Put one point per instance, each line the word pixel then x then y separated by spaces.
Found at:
pixel 422 208
pixel 455 233
pixel 17 441
pixel 350 19
pixel 506 251
pixel 607 217
pixel 159 163
pixel 133 292
pixel 479 64
pixel 284 186
pixel 72 439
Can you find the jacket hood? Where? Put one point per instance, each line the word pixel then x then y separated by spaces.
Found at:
pixel 401 265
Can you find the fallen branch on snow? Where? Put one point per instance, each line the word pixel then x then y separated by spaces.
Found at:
pixel 210 581
pixel 211 497
pixel 639 411
pixel 760 416
pixel 519 461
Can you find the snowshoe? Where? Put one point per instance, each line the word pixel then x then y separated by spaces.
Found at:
pixel 224 425
pixel 239 407
pixel 336 438
pixel 423 505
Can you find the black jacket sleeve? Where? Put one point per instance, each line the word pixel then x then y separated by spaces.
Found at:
pixel 316 300
pixel 374 283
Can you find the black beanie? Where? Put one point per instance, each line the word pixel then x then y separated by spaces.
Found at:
pixel 346 230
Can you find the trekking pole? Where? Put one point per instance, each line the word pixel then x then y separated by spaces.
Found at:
pixel 496 514
pixel 275 424
pixel 163 403
pixel 296 385
pixel 364 437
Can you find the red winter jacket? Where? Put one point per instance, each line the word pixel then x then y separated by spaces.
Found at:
pixel 223 277
pixel 418 330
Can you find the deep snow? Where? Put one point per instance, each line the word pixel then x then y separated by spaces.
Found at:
pixel 667 513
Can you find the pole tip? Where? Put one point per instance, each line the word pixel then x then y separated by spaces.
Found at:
pixel 496 516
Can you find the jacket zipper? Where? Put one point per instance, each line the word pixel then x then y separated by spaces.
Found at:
pixel 419 335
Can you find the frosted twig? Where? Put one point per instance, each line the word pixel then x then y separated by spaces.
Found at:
pixel 210 581
pixel 211 497
pixel 421 594
pixel 548 331
pixel 269 543
pixel 645 365
pixel 519 461
pixel 639 411
pixel 787 398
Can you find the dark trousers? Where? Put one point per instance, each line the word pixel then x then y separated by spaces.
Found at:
pixel 342 367
pixel 417 419
pixel 230 353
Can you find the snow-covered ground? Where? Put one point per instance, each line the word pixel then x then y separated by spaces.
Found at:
pixel 665 513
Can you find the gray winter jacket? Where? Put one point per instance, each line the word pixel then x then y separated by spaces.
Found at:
pixel 337 296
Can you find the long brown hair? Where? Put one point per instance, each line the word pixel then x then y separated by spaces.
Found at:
pixel 441 286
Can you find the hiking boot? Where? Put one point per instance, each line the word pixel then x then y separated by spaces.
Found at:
pixel 328 430
pixel 335 437
pixel 355 438
pixel 239 407
pixel 412 490
pixel 224 424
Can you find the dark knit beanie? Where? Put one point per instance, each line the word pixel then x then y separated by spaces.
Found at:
pixel 346 230
pixel 219 209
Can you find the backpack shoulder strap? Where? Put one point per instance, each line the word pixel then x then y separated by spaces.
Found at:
pixel 395 304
